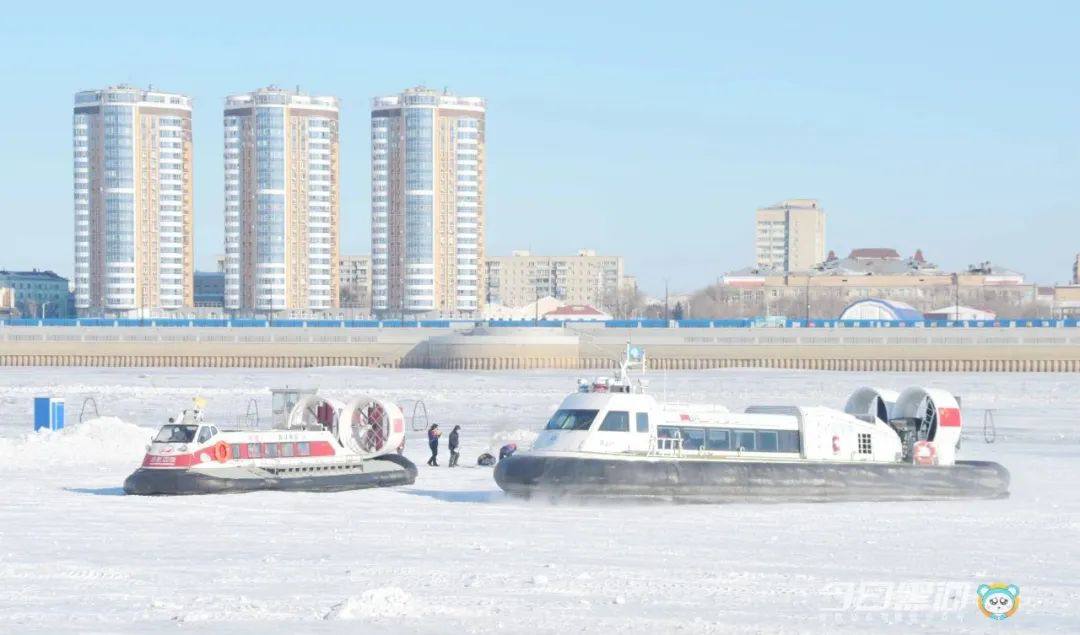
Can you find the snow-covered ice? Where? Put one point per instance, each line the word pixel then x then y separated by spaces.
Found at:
pixel 451 553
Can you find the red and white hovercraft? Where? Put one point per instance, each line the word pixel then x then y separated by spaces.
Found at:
pixel 317 445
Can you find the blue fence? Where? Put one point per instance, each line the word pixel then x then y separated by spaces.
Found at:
pixel 619 324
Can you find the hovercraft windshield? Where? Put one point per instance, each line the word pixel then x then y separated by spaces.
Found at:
pixel 176 433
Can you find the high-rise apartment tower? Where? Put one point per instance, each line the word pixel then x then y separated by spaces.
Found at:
pixel 427 203
pixel 281 201
pixel 133 202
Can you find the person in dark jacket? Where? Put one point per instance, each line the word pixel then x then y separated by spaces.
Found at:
pixel 455 440
pixel 433 435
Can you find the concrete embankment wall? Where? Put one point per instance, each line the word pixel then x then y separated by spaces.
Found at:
pixel 1039 349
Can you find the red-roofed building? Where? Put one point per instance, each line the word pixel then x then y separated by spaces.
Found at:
pixel 577 312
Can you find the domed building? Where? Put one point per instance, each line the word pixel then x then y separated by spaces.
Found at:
pixel 878 309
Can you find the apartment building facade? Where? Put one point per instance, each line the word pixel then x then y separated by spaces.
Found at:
pixel 790 235
pixel 133 200
pixel 582 279
pixel 282 202
pixel 427 203
pixel 355 281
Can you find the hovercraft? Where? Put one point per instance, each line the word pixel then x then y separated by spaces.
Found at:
pixel 320 446
pixel 611 439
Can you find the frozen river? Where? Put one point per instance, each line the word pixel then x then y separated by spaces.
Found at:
pixel 451 553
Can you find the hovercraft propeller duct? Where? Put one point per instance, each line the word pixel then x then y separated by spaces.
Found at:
pixel 931 416
pixel 314 412
pixel 371 427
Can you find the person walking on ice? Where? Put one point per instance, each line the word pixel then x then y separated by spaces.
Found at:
pixel 455 440
pixel 433 435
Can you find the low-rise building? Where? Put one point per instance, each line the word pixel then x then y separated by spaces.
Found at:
pixel 39 293
pixel 355 282
pixel 584 278
pixel 959 312
pixel 826 289
pixel 7 302
pixel 1066 301
pixel 209 289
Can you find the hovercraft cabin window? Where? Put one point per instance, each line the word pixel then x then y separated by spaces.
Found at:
pixel 724 439
pixel 642 422
pixel 717 439
pixel 616 421
pixel 693 438
pixel 271 450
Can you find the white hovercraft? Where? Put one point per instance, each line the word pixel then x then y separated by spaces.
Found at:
pixel 319 445
pixel 612 439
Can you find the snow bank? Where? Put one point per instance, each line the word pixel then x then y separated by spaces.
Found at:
pixel 94 442
pixel 381 602
pixel 522 437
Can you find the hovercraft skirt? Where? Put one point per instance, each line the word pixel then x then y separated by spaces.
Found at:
pixel 718 481
pixel 377 473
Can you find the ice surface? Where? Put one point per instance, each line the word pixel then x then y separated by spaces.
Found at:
pixel 451 553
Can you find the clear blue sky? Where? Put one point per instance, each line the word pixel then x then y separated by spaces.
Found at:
pixel 648 130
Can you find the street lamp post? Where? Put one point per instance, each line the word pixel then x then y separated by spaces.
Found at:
pixel 808 298
pixel 667 314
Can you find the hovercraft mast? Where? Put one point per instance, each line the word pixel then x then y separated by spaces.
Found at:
pixel 634 359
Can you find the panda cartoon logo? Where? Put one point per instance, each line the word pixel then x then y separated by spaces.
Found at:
pixel 998 600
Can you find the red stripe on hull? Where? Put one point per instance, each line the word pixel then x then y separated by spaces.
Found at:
pixel 317 449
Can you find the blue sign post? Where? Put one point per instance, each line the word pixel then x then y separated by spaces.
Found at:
pixel 48 413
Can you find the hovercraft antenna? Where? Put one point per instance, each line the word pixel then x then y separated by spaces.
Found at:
pixel 634 359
